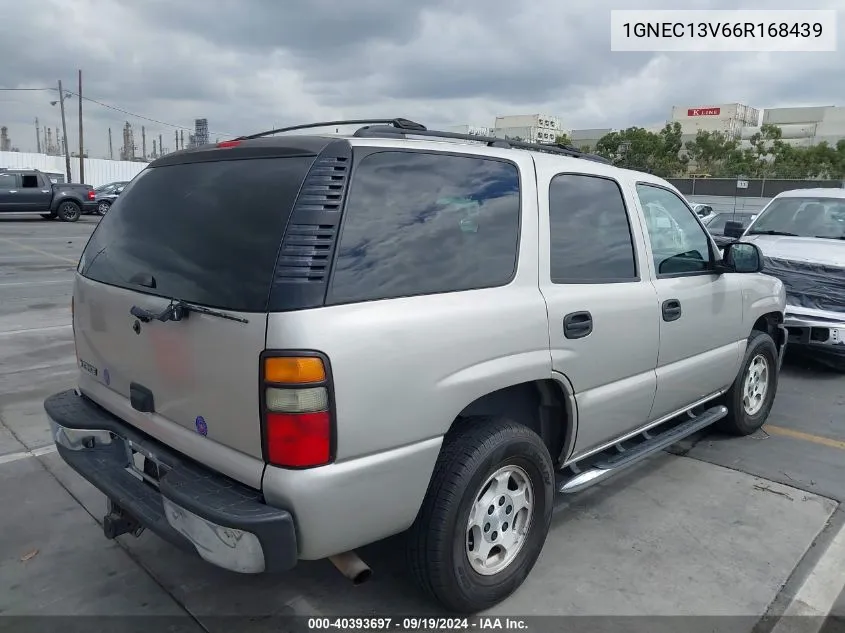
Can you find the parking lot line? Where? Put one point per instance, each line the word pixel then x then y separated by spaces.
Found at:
pixel 31 330
pixel 33 283
pixel 35 452
pixel 807 437
pixel 38 250
pixel 818 593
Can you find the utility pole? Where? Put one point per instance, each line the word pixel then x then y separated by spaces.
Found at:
pixel 182 136
pixel 160 146
pixel 154 149
pixel 144 142
pixel 64 132
pixel 111 154
pixel 81 146
pixel 37 136
pixel 176 132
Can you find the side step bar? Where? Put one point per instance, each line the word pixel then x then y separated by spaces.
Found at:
pixel 609 466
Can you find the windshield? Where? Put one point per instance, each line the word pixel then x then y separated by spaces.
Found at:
pixel 718 222
pixel 803 217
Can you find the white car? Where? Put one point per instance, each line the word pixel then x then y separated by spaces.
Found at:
pixel 703 211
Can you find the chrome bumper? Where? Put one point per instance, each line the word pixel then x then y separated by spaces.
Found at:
pixel 816 330
pixel 195 508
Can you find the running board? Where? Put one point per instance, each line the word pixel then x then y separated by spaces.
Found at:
pixel 608 466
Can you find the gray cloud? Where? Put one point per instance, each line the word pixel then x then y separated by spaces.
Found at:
pixel 248 65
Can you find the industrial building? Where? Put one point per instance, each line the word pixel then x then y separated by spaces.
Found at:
pixel 5 141
pixel 804 127
pixel 729 119
pixel 534 128
pixel 200 135
pixel 474 130
pixel 588 138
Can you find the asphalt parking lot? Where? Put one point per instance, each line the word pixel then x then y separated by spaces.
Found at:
pixel 738 528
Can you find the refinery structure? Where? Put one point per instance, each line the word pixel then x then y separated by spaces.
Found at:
pixel 130 149
pixel 129 143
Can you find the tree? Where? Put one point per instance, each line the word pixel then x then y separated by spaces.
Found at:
pixel 708 151
pixel 637 148
pixel 563 139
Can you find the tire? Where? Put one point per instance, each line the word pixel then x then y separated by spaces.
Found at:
pixel 439 540
pixel 761 356
pixel 69 211
pixel 103 207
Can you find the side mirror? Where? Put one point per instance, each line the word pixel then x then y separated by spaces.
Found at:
pixel 734 229
pixel 742 257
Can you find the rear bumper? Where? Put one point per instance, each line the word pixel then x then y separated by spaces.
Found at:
pixel 823 336
pixel 225 522
pixel 89 206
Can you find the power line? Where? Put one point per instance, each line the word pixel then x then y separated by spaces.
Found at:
pixel 115 108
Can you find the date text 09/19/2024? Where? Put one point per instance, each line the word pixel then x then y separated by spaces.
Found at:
pixel 417 624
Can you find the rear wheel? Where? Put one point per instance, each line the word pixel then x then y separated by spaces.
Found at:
pixel 485 516
pixel 752 395
pixel 103 207
pixel 69 211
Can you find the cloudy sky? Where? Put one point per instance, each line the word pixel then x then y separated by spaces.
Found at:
pixel 248 65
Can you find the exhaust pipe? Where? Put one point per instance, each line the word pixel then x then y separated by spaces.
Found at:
pixel 350 565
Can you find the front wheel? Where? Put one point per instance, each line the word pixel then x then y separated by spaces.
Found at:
pixel 103 207
pixel 485 516
pixel 69 211
pixel 750 398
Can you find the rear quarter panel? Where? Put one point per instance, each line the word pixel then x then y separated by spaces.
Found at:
pixel 77 193
pixel 404 368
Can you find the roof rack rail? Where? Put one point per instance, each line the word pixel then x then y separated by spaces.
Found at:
pixel 382 131
pixel 397 123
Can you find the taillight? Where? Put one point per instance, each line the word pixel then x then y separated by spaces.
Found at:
pixel 296 407
pixel 224 144
pixel 91 194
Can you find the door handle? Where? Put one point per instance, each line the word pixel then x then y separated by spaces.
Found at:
pixel 577 324
pixel 671 310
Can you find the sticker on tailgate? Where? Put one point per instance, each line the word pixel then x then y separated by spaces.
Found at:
pixel 88 367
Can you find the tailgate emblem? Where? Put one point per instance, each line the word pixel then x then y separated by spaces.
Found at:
pixel 202 427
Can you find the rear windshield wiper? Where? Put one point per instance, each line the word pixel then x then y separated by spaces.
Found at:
pixel 773 233
pixel 178 310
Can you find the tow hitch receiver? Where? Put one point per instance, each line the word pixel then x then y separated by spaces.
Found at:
pixel 118 522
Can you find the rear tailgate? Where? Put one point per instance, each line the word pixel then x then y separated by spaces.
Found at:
pixel 207 233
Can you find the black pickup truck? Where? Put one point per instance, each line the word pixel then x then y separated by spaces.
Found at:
pixel 31 191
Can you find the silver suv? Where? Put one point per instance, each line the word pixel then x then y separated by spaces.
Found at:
pixel 293 345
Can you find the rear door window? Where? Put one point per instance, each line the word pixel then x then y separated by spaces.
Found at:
pixel 589 231
pixel 422 223
pixel 206 232
pixel 8 181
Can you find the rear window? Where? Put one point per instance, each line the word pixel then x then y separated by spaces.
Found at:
pixel 423 223
pixel 719 222
pixel 208 232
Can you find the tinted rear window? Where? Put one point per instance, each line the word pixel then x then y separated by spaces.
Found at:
pixel 207 232
pixel 422 223
pixel 589 231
